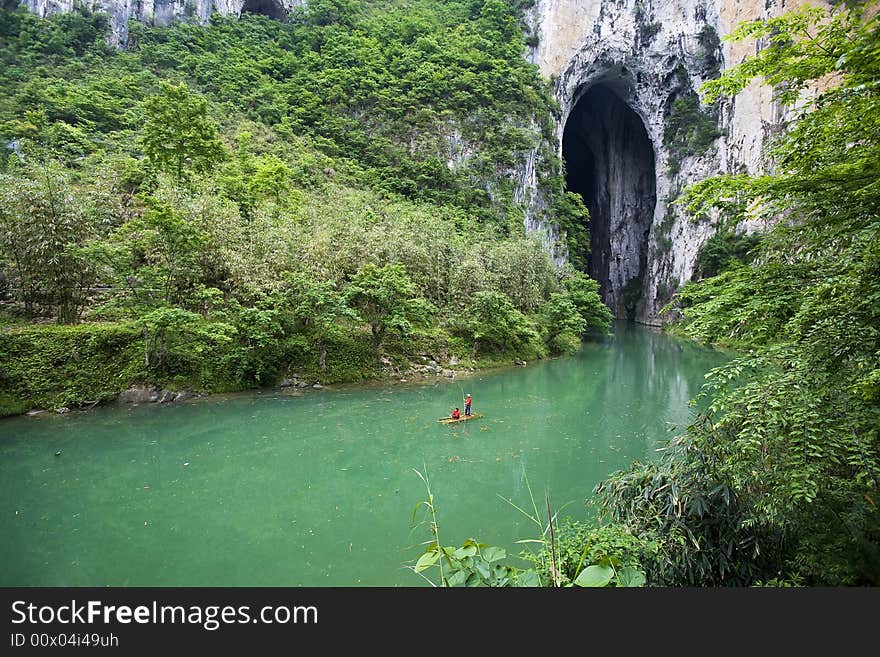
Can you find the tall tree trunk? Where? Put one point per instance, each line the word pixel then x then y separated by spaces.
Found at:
pixel 322 357
pixel 146 346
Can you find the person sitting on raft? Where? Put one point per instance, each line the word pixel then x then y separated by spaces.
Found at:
pixel 456 414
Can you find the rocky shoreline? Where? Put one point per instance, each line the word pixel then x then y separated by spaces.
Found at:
pixel 428 368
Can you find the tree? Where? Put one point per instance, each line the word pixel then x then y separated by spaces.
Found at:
pixel 573 219
pixel 319 308
pixel 45 220
pixel 331 12
pixel 177 341
pixel 495 323
pixel 583 292
pixel 562 323
pixel 155 255
pixel 178 134
pixel 386 299
pixel 271 179
pixel 524 272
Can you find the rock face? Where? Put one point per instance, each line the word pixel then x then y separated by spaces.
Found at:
pixel 617 67
pixel 161 12
pixel 138 395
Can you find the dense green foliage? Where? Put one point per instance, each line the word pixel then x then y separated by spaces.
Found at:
pixel 569 553
pixel 722 251
pixel 66 365
pixel 689 130
pixel 586 555
pixel 777 479
pixel 252 198
pixel 398 90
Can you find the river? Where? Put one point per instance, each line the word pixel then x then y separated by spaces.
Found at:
pixel 317 488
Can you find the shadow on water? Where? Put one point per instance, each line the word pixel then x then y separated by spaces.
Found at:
pixel 318 489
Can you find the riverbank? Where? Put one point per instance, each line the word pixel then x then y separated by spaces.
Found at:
pixel 51 368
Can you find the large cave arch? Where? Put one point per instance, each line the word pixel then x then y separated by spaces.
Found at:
pixel 271 8
pixel 609 161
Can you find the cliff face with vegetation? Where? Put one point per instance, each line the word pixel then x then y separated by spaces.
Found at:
pixel 629 166
pixel 653 57
pixel 162 12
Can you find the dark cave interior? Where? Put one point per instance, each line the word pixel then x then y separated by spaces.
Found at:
pixel 609 161
pixel 270 8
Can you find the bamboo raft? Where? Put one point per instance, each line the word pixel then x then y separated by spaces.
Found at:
pixel 451 420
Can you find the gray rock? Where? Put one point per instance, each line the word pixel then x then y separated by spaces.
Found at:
pixel 62 410
pixel 648 54
pixel 166 396
pixel 137 395
pixel 35 411
pixel 449 374
pixel 317 386
pixel 183 395
pixel 162 12
pixel 453 361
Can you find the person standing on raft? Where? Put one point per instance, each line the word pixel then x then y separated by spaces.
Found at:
pixel 467 405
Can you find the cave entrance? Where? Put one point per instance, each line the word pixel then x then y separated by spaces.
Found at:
pixel 270 8
pixel 609 161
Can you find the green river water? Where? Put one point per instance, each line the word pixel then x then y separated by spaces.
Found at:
pixel 317 488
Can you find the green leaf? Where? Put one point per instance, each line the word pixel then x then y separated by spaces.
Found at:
pixel 594 576
pixel 482 568
pixel 474 580
pixel 465 551
pixel 427 560
pixel 630 577
pixel 458 578
pixel 500 570
pixel 528 578
pixel 491 554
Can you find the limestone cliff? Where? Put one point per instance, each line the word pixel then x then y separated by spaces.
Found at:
pixel 613 61
pixel 161 12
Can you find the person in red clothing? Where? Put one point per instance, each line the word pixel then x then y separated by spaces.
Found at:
pixel 467 405
pixel 456 414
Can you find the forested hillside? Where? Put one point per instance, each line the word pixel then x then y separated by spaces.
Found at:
pixel 217 207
